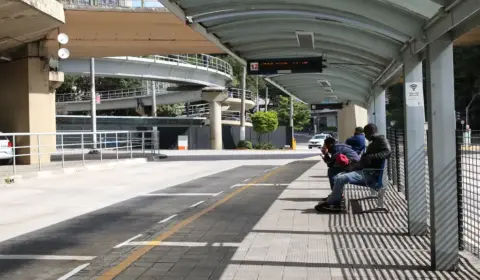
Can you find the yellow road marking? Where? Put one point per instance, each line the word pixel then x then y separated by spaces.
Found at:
pixel 137 254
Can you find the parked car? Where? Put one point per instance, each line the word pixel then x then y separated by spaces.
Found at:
pixel 6 150
pixel 317 140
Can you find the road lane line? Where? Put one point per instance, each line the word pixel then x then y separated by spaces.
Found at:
pixel 127 241
pixel 196 204
pixel 47 257
pixel 74 271
pixel 261 185
pixel 246 179
pixel 183 244
pixel 137 254
pixel 178 194
pixel 217 194
pixel 168 219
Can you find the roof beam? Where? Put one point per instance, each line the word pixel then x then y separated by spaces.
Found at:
pixel 447 21
pixel 281 88
pixel 177 11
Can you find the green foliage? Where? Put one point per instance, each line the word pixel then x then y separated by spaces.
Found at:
pixel 245 145
pixel 81 84
pixel 301 113
pixel 265 146
pixel 170 110
pixel 265 122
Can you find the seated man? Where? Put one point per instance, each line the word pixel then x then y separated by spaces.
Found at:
pixel 331 150
pixel 377 151
pixel 357 141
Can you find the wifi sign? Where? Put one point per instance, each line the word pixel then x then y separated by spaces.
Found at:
pixel 413 86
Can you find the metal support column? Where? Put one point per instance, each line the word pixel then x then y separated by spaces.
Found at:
pixel 414 113
pixel 371 109
pixel 441 155
pixel 380 111
pixel 93 102
pixel 256 100
pixel 242 110
pixel 154 114
pixel 291 123
pixel 266 99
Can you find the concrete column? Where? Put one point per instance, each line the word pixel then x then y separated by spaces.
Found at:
pixel 415 147
pixel 371 110
pixel 243 109
pixel 216 125
pixel 380 111
pixel 349 118
pixel 441 155
pixel 27 105
pixel 154 114
pixel 215 97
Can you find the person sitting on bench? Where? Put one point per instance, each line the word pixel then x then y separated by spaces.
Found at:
pixel 357 141
pixel 377 152
pixel 331 151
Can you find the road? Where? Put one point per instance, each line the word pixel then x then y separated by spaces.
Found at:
pixel 59 246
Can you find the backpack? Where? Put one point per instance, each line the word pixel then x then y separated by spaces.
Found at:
pixel 342 160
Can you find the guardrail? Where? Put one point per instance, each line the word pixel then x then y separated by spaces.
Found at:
pixel 201 60
pixel 43 151
pixel 237 93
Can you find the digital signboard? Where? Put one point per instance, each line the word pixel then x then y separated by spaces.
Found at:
pixel 285 66
pixel 330 106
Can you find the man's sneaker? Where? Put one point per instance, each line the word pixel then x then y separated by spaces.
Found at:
pixel 328 208
pixel 325 199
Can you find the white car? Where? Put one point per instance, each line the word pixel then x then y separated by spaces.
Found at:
pixel 6 150
pixel 317 141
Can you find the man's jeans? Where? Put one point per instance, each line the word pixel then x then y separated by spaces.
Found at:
pixel 341 180
pixel 332 172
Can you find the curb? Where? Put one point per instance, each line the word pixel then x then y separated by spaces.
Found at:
pixel 7 180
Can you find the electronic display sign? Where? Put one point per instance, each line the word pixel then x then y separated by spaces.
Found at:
pixel 330 106
pixel 285 66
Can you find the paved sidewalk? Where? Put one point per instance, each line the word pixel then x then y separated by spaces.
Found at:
pixel 258 235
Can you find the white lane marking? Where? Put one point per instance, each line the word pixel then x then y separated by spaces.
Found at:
pixel 168 219
pixel 260 185
pixel 127 241
pixel 217 194
pixel 47 257
pixel 266 171
pixel 179 194
pixel 183 244
pixel 74 271
pixel 196 204
pixel 246 179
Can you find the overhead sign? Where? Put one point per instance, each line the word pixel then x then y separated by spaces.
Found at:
pixel 414 94
pixel 285 66
pixel 325 106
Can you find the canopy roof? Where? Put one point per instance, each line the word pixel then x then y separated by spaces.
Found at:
pixel 364 42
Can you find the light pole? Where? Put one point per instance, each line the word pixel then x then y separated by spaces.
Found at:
pixel 468 107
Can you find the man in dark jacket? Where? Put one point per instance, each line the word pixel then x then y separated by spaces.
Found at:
pixel 331 150
pixel 377 152
pixel 357 141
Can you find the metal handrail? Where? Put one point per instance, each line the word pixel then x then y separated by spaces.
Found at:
pixel 113 3
pixel 44 150
pixel 202 60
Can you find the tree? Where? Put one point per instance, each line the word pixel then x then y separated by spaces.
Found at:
pixel 170 110
pixel 264 122
pixel 301 113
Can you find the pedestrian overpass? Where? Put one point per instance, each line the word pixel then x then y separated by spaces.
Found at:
pixel 367 45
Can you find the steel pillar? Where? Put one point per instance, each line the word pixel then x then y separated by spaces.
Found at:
pixel 371 110
pixel 93 102
pixel 414 113
pixel 441 155
pixel 380 111
pixel 242 110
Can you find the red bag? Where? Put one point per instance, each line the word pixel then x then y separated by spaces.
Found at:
pixel 342 160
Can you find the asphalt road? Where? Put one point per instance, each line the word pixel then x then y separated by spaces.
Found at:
pixel 92 238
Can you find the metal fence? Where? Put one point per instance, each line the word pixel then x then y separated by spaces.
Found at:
pixel 468 182
pixel 114 3
pixel 43 151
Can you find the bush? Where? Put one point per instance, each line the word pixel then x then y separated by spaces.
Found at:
pixel 265 146
pixel 245 145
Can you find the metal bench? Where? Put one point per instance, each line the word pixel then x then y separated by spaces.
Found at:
pixel 377 188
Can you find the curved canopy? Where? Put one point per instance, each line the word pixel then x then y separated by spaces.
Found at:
pixel 360 40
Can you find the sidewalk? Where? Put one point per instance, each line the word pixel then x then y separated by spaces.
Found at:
pixel 257 235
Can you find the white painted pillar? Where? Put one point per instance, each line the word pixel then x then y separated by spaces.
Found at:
pixel 93 102
pixel 414 113
pixel 216 140
pixel 442 156
pixel 380 111
pixel 371 110
pixel 243 109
